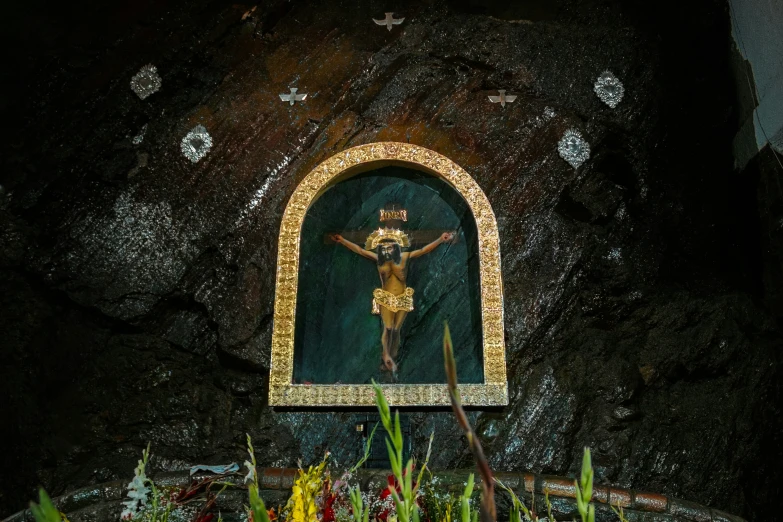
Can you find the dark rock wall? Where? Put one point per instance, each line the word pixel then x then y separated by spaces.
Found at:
pixel 137 287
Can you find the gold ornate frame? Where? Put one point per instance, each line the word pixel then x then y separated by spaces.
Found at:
pixel 494 390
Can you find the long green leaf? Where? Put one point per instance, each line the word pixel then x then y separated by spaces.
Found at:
pixel 469 486
pixel 465 505
pixel 586 465
pixel 395 464
pixel 257 505
pixel 367 448
pixel 383 407
pixel 45 511
pixel 397 431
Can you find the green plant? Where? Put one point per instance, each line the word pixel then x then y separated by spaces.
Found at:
pixel 518 508
pixel 439 504
pixel 619 512
pixel 155 509
pixel 257 508
pixel 367 448
pixel 405 501
pixel 466 513
pixel 584 489
pixel 45 511
pixel 488 512
pixel 145 501
pixel 138 492
pixel 549 516
pixel 359 513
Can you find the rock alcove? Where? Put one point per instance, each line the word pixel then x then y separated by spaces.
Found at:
pixel 138 286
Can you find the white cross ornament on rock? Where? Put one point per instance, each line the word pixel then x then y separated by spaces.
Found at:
pixel 503 99
pixel 389 20
pixel 293 97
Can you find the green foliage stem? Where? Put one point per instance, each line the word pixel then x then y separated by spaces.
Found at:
pixel 45 511
pixel 367 448
pixel 257 507
pixel 584 489
pixel 518 508
pixel 359 513
pixel 466 513
pixel 405 501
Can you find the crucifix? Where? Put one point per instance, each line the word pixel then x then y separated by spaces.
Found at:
pixel 394 300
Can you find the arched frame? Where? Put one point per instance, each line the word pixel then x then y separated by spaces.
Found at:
pixel 282 392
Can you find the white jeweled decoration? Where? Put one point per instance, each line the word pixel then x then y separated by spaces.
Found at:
pixel 573 148
pixel 196 144
pixel 609 89
pixel 146 81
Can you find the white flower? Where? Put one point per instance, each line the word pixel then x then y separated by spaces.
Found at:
pixel 137 494
pixel 251 471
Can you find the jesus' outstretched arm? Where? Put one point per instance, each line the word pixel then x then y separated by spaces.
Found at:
pixel 445 237
pixel 354 247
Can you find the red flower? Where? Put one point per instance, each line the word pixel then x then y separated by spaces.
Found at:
pixel 392 483
pixel 328 512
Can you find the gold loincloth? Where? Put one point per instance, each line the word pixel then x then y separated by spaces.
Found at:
pixel 395 303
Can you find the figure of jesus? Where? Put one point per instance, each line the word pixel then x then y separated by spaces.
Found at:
pixel 394 299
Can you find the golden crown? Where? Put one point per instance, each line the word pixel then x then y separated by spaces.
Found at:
pixel 386 234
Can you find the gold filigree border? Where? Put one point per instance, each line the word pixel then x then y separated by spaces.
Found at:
pixel 494 390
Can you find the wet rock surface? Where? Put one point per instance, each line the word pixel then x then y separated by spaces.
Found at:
pixel 138 287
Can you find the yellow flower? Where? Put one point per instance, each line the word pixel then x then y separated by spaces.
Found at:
pixel 302 505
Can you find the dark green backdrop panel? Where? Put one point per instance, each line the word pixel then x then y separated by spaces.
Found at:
pixel 337 339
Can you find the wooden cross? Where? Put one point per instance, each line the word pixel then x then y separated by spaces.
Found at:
pixel 392 218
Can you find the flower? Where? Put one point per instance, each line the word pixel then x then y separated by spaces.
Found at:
pixel 386 494
pixel 305 493
pixel 137 493
pixel 328 509
pixel 250 471
pixel 269 513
